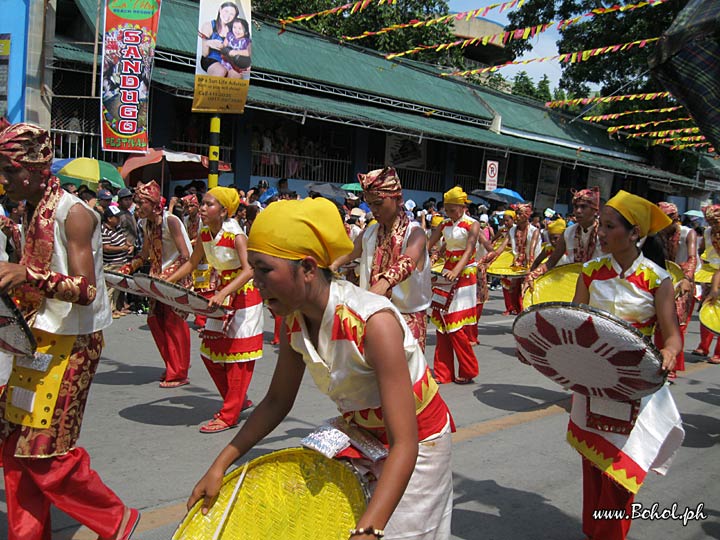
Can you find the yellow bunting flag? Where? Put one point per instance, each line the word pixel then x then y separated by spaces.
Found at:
pixel 608 99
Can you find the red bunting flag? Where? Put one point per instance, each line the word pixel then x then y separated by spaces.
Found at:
pixel 653 123
pixel 663 133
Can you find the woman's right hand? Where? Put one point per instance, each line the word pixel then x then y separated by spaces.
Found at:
pixel 216 44
pixel 207 489
pixel 710 298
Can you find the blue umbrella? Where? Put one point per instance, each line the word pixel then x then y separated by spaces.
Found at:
pixel 509 195
pixel 694 213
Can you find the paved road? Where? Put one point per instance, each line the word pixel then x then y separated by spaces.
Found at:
pixel 515 477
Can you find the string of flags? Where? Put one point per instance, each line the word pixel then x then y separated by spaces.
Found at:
pixel 608 99
pixel 502 37
pixel 664 133
pixel 568 58
pixel 353 7
pixel 642 125
pixel 615 116
pixel 694 145
pixel 694 138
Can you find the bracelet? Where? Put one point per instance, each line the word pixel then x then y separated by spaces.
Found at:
pixel 378 533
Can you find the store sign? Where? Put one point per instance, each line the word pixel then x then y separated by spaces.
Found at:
pixel 664 188
pixel 223 57
pixel 128 52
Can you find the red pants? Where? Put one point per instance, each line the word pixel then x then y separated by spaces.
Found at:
pixel 68 482
pixel 513 301
pixel 232 380
pixel 706 337
pixel 454 343
pixel 601 493
pixel 172 337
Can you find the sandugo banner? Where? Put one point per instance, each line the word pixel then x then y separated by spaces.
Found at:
pixel 128 51
pixel 224 49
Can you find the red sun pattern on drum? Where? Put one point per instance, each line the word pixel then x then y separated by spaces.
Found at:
pixel 547 341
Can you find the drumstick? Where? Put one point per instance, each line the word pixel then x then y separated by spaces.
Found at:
pixel 230 503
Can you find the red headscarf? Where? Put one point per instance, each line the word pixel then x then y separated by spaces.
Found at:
pixel 190 200
pixel 381 182
pixel 712 214
pixel 26 145
pixel 522 209
pixel 669 209
pixel 150 192
pixel 590 196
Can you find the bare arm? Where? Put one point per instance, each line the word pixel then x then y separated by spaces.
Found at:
pixel 582 295
pixel 176 231
pixel 354 254
pixel 434 238
pixel 384 352
pixel 413 256
pixel 267 416
pixel 245 274
pixel 667 319
pixel 189 265
pixel 712 296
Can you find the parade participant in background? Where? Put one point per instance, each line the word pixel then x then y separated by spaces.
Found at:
pixel 711 254
pixel 524 241
pixel 460 233
pixel 360 353
pixel 578 243
pixel 631 286
pixel 229 347
pixel 203 275
pixel 680 245
pixel 555 230
pixel 485 254
pixel 59 287
pixel 393 254
pixel 166 246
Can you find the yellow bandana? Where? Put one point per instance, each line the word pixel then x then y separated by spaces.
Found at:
pixel 455 196
pixel 297 229
pixel 557 226
pixel 228 197
pixel 640 212
pixel 510 213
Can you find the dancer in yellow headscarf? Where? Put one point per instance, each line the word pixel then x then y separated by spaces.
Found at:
pixel 360 353
pixel 631 286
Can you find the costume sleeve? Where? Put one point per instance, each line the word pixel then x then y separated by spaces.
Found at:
pixel 134 264
pixel 74 289
pixel 689 267
pixel 399 271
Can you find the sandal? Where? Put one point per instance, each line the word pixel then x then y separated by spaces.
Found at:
pixel 215 426
pixel 699 352
pixel 715 359
pixel 463 380
pixel 133 518
pixel 174 384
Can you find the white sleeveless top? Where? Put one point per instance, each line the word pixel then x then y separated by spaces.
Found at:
pixel 66 318
pixel 682 251
pixel 529 257
pixel 409 296
pixel 4 257
pixel 169 250
pixel 220 251
pixel 569 237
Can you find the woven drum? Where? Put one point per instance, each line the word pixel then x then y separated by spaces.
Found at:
pixel 556 285
pixel 292 494
pixel 705 273
pixel 502 266
pixel 710 317
pixel 676 273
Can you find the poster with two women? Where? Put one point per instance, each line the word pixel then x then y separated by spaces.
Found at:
pixel 224 48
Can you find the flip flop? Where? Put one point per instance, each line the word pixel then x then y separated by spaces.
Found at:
pixel 715 359
pixel 174 384
pixel 132 522
pixel 462 380
pixel 215 426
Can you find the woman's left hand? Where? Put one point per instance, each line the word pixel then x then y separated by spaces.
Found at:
pixel 218 299
pixel 669 358
pixel 11 275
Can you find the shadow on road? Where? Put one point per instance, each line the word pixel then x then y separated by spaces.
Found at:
pixel 174 411
pixel 515 397
pixel 127 374
pixel 511 513
pixel 711 396
pixel 700 431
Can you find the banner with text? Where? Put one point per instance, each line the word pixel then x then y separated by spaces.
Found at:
pixel 4 71
pixel 128 51
pixel 223 57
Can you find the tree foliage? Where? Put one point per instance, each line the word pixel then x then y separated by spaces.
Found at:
pixel 627 70
pixel 373 18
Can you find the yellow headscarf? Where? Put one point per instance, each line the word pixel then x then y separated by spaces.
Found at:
pixel 557 226
pixel 455 196
pixel 648 217
pixel 228 197
pixel 297 229
pixel 510 213
pixel 436 220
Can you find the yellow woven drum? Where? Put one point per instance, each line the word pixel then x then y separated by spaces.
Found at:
pixel 556 285
pixel 502 266
pixel 705 273
pixel 286 495
pixel 676 273
pixel 710 317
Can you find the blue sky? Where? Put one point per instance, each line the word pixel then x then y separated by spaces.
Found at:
pixel 543 45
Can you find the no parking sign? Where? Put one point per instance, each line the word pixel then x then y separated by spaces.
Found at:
pixel 491 175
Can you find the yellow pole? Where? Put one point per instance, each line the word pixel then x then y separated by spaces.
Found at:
pixel 214 151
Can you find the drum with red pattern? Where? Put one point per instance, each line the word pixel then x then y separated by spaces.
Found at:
pixel 588 350
pixel 15 335
pixel 122 282
pixel 177 297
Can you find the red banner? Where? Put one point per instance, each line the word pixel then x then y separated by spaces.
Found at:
pixel 128 51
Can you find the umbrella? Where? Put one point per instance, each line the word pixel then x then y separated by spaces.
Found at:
pixel 686 61
pixel 353 186
pixel 694 213
pixel 331 191
pixel 501 195
pixel 160 164
pixel 510 195
pixel 86 171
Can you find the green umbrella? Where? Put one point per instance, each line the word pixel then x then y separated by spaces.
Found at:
pixel 87 171
pixel 354 186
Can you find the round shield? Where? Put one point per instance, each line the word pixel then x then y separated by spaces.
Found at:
pixel 588 351
pixel 122 282
pixel 177 297
pixel 710 317
pixel 555 285
pixel 502 266
pixel 15 335
pixel 705 273
pixel 286 495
